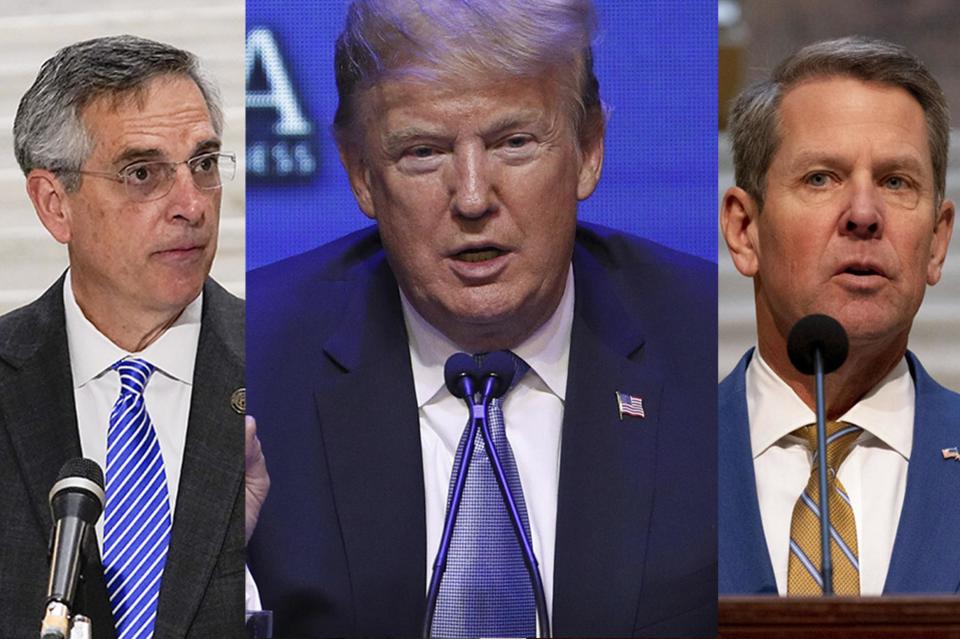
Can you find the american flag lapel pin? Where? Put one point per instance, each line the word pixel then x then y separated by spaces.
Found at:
pixel 629 405
pixel 951 453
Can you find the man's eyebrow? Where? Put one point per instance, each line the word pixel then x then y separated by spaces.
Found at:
pixel 396 140
pixel 511 121
pixel 900 162
pixel 207 146
pixel 134 154
pixel 908 163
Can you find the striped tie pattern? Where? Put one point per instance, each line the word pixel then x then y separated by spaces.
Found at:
pixel 486 589
pixel 803 573
pixel 136 527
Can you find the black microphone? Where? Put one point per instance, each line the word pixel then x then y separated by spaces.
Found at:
pixel 497 372
pixel 818 345
pixel 815 332
pixel 76 501
pixel 460 375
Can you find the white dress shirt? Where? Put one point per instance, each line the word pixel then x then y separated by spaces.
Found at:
pixel 96 386
pixel 874 474
pixel 532 411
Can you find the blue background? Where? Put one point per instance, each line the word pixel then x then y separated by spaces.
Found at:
pixel 657 66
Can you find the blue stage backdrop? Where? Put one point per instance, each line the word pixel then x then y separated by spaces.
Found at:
pixel 656 62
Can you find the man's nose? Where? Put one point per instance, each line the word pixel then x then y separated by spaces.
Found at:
pixel 472 184
pixel 865 210
pixel 187 200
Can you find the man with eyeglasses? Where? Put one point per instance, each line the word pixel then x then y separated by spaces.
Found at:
pixel 134 357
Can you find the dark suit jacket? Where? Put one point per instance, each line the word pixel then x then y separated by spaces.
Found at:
pixel 202 590
pixel 340 546
pixel 926 550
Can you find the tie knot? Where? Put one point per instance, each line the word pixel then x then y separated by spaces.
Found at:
pixel 134 373
pixel 840 439
pixel 520 367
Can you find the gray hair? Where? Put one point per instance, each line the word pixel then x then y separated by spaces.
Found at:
pixel 437 40
pixel 754 120
pixel 48 132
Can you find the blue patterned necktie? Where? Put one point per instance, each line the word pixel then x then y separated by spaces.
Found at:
pixel 136 525
pixel 486 589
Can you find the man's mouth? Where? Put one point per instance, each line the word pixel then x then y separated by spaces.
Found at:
pixel 479 254
pixel 862 268
pixel 862 271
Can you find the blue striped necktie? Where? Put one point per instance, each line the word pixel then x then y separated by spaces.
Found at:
pixel 136 525
pixel 486 589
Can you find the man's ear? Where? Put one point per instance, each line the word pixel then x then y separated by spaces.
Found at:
pixel 591 163
pixel 942 231
pixel 738 217
pixel 50 202
pixel 359 176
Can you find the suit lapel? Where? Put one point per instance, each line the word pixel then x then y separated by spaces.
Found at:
pixel 38 400
pixel 745 566
pixel 370 427
pixel 607 466
pixel 926 552
pixel 211 477
pixel 37 403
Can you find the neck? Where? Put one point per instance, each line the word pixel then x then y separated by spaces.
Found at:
pixel 866 364
pixel 130 328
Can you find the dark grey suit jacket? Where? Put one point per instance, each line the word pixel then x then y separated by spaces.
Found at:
pixel 202 591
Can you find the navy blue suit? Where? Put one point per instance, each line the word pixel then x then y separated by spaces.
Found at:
pixel 926 551
pixel 340 546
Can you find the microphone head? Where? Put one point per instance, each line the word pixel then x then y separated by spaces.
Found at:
pixel 817 332
pixel 500 364
pixel 460 368
pixel 81 479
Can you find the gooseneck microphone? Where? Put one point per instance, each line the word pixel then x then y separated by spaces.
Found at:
pixel 76 501
pixel 498 371
pixel 460 374
pixel 818 345
pixel 467 380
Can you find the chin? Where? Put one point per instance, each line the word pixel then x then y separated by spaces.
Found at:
pixel 871 328
pixel 180 296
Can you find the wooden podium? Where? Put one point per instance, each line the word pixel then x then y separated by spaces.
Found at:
pixel 907 617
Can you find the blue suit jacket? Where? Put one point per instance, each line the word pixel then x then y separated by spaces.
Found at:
pixel 340 547
pixel 926 551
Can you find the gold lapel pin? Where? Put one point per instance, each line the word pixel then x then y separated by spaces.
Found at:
pixel 238 401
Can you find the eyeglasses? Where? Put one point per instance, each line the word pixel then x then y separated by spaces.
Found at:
pixel 153 179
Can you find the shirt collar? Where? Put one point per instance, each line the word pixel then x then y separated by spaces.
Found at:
pixel 775 410
pixel 92 353
pixel 547 350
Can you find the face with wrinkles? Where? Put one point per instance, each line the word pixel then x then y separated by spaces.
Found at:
pixel 474 190
pixel 850 226
pixel 149 257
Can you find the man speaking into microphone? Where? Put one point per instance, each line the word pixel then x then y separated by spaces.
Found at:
pixel 839 209
pixel 131 357
pixel 469 132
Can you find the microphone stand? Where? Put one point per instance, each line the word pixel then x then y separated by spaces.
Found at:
pixel 530 559
pixel 478 421
pixel 440 563
pixel 826 562
pixel 58 624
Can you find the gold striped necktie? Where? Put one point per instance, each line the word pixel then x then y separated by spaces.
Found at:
pixel 803 576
